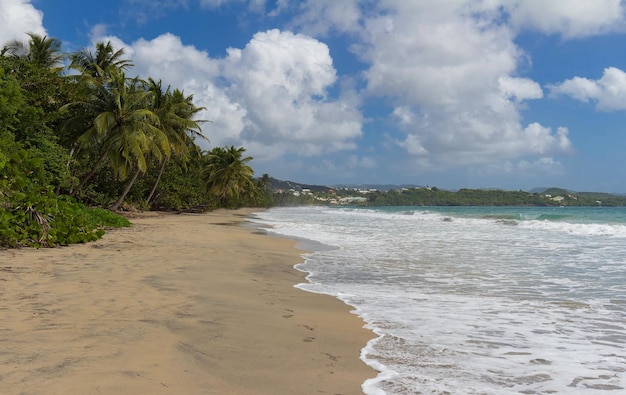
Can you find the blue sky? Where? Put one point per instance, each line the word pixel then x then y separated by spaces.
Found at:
pixel 513 94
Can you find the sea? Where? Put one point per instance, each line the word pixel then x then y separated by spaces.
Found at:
pixel 474 300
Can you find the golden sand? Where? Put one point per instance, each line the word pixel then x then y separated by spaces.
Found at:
pixel 177 304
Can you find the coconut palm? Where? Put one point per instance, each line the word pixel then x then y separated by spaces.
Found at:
pixel 142 137
pixel 227 174
pixel 42 51
pixel 96 70
pixel 99 64
pixel 262 195
pixel 176 114
pixel 120 126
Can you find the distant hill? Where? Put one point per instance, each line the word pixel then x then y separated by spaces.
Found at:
pixel 556 192
pixel 539 189
pixel 378 187
pixel 553 191
pixel 602 196
pixel 296 186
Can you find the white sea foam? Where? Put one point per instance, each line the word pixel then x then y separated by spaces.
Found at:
pixel 464 303
pixel 583 229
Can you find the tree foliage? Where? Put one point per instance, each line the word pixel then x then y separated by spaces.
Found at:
pixel 228 177
pixel 463 197
pixel 73 144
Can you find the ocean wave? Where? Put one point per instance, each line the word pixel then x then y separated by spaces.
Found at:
pixel 579 229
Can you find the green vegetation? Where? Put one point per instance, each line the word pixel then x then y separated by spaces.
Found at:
pixel 79 143
pixel 438 197
pixel 480 197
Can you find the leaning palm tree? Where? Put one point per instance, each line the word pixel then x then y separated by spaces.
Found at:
pixel 97 71
pixel 227 174
pixel 176 114
pixel 42 51
pixel 120 126
pixel 140 139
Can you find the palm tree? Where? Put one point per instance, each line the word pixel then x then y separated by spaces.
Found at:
pixel 102 63
pixel 97 70
pixel 176 112
pixel 121 126
pixel 142 137
pixel 42 51
pixel 262 195
pixel 226 173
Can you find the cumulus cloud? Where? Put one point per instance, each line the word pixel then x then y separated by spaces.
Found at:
pixel 608 92
pixel 520 88
pixel 282 80
pixel 451 72
pixel 451 69
pixel 322 16
pixel 18 17
pixel 168 58
pixel 270 96
pixel 569 18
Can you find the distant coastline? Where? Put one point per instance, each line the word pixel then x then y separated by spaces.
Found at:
pixel 290 193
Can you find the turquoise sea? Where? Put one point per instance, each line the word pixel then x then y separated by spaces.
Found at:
pixel 475 300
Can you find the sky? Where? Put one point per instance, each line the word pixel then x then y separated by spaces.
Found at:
pixel 511 94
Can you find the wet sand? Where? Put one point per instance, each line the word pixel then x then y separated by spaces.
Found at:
pixel 177 304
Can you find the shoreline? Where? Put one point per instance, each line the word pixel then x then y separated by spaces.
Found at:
pixel 174 304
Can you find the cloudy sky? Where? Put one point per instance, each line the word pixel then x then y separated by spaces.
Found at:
pixel 514 94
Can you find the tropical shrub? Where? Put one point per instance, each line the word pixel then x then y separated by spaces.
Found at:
pixel 32 215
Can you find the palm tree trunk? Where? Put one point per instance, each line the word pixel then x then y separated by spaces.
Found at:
pixel 90 174
pixel 119 202
pixel 157 181
pixel 67 166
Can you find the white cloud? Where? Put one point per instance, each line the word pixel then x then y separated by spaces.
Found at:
pixel 282 81
pixel 520 88
pixel 18 17
pixel 280 6
pixel 455 67
pixel 167 57
pixel 253 5
pixel 319 17
pixel 270 96
pixel 404 115
pixel 450 69
pixel 569 18
pixel 526 168
pixel 413 145
pixel 540 165
pixel 609 92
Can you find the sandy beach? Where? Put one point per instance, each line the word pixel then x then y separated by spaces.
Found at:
pixel 177 304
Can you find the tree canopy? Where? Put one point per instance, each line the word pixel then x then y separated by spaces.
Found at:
pixel 76 141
